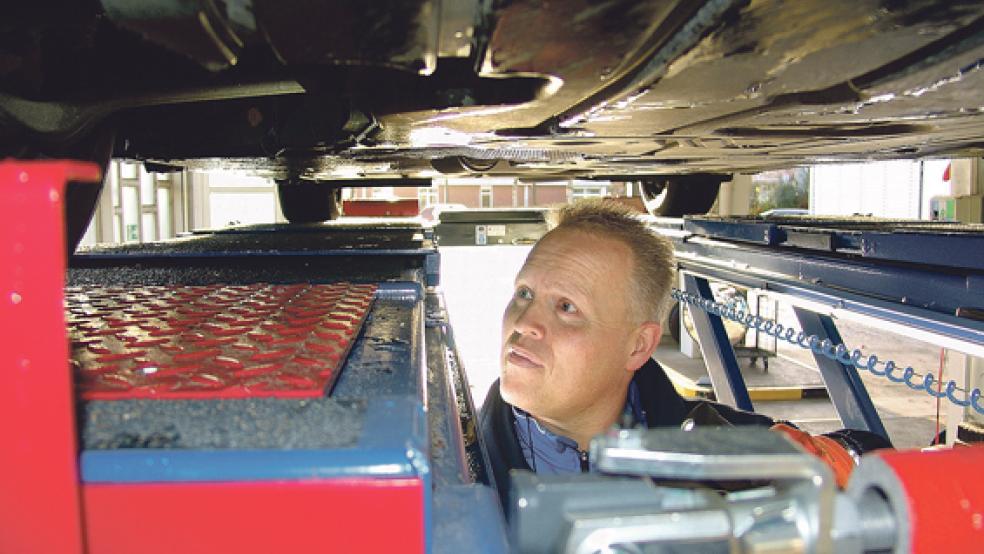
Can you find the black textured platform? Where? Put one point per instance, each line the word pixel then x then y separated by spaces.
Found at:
pixel 220 424
pixel 255 269
pixel 264 253
pixel 279 239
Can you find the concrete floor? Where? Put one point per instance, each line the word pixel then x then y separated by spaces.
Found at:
pixel 477 283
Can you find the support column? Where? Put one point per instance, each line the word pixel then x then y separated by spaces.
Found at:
pixel 966 176
pixel 688 346
pixel 39 503
pixel 719 356
pixel 844 386
pixel 968 373
pixel 735 196
pixel 198 207
pixel 104 217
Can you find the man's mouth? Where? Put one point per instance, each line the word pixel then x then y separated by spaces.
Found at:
pixel 522 358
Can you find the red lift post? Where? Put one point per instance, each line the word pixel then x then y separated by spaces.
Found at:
pixel 45 506
pixel 39 503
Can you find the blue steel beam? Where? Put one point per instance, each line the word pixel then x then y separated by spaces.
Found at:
pixel 907 241
pixel 719 356
pixel 938 289
pixel 844 385
pixel 967 335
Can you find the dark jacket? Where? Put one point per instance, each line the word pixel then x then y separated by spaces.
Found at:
pixel 664 407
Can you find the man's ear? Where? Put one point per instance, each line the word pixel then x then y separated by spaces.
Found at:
pixel 644 344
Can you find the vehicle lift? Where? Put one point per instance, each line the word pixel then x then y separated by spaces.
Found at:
pixel 216 404
pixel 296 389
pixel 925 281
pixel 922 280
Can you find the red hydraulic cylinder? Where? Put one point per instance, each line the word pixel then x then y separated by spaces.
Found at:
pixel 935 498
pixel 944 497
pixel 39 485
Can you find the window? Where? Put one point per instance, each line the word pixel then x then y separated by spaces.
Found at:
pixel 427 196
pixel 383 192
pixel 131 214
pixel 148 226
pixel 581 190
pixel 139 204
pixel 128 170
pixel 147 185
pixel 164 212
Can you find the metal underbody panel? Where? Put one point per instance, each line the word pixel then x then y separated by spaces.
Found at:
pixel 340 90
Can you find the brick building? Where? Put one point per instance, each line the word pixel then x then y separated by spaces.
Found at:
pixel 493 192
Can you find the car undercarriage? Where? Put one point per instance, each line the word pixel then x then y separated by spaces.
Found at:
pixel 341 93
pixel 289 387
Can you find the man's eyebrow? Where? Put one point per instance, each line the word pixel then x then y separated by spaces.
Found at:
pixel 580 291
pixel 570 287
pixel 567 286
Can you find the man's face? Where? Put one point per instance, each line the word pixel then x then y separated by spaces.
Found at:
pixel 567 332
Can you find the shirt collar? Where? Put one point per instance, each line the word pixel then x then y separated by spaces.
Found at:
pixel 535 437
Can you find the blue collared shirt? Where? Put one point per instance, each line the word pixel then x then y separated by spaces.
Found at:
pixel 549 453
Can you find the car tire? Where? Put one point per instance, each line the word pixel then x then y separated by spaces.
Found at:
pixel 673 321
pixel 80 199
pixel 462 165
pixel 680 195
pixel 304 201
pixel 80 204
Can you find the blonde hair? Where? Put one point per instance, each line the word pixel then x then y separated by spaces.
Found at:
pixel 654 266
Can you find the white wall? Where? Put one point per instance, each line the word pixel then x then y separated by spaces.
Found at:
pixel 220 198
pixel 885 189
pixel 735 196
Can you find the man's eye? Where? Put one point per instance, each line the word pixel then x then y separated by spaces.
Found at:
pixel 524 293
pixel 568 307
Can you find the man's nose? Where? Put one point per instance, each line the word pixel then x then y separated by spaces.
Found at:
pixel 529 321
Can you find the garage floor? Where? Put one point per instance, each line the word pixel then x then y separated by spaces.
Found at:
pixel 477 283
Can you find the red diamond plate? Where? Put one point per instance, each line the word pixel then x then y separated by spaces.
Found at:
pixel 218 341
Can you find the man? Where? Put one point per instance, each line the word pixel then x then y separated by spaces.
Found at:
pixel 577 340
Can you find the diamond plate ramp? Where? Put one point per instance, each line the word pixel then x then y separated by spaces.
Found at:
pixel 215 341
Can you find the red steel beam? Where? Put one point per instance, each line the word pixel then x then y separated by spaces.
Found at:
pixel 39 487
pixel 372 207
pixel 350 514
